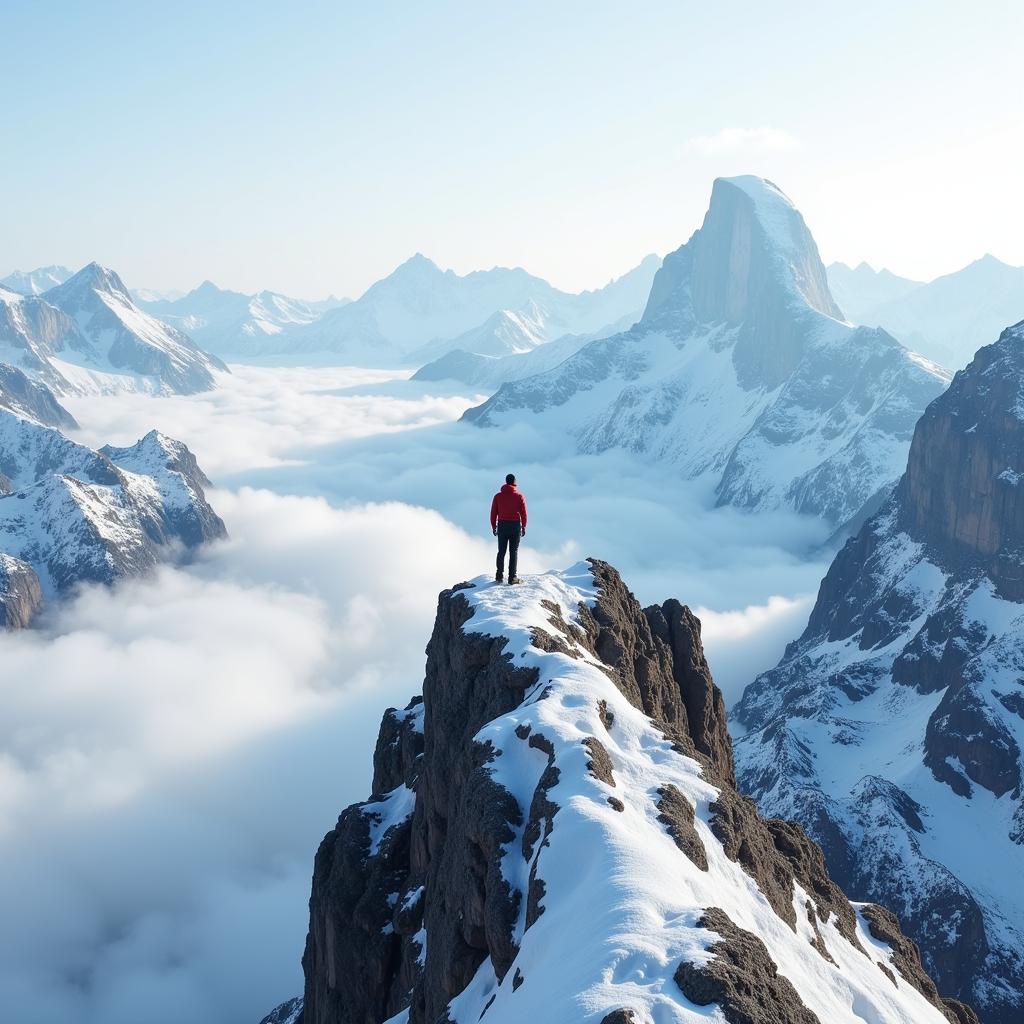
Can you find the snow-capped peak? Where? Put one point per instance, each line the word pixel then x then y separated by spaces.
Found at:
pixel 752 256
pixel 93 277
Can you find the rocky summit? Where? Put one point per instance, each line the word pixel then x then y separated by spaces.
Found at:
pixel 554 834
pixel 742 371
pixel 893 728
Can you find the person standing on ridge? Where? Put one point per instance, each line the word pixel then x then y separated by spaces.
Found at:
pixel 508 524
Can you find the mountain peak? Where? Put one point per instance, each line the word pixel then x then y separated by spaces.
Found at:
pixel 92 277
pixel 754 265
pixel 417 263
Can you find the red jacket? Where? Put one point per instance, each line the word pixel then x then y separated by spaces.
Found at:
pixel 508 506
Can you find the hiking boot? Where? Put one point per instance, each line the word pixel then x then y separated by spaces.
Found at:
pixel 513 579
pixel 498 577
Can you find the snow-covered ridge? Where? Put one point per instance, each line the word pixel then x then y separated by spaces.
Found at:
pixel 575 810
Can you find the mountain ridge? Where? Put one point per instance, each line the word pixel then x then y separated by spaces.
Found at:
pixel 559 717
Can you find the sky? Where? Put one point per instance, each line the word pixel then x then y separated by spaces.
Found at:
pixel 311 147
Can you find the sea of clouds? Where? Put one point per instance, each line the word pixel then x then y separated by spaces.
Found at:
pixel 172 750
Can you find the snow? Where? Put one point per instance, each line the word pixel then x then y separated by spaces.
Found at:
pixel 621 901
pixel 392 809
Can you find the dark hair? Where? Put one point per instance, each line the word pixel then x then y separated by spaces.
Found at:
pixel 510 478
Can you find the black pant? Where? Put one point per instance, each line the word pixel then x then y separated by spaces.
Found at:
pixel 509 533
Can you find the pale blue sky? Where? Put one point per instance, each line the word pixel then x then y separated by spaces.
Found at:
pixel 310 147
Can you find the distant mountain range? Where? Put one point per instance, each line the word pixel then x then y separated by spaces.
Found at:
pixel 947 319
pixel 420 312
pixel 35 282
pixel 233 324
pixel 743 370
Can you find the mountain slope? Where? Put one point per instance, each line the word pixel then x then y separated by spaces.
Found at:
pixel 742 369
pixel 70 515
pixel 491 371
pixel 116 345
pixel 29 399
pixel 419 305
pixel 893 728
pixel 860 289
pixel 229 323
pixel 35 282
pixel 554 835
pixel 949 318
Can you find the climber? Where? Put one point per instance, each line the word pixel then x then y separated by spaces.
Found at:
pixel 508 524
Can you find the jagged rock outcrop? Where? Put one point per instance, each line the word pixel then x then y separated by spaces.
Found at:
pixel 809 412
pixel 553 833
pixel 893 728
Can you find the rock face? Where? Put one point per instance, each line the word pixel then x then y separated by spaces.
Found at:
pixel 72 515
pixel 554 834
pixel 86 335
pixel 809 413
pixel 893 728
pixel 20 593
pixel 32 400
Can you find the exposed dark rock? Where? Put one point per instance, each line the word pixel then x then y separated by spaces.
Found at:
pixel 659 665
pixel 962 491
pixel 619 1017
pixel 677 816
pixel 906 958
pixel 600 764
pixel 775 853
pixel 616 804
pixel 963 728
pixel 742 978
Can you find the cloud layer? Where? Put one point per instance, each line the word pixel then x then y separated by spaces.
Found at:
pixel 172 750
